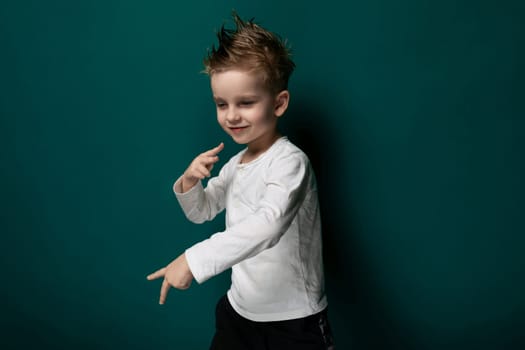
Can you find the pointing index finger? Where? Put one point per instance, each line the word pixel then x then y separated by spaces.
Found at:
pixel 216 150
pixel 157 274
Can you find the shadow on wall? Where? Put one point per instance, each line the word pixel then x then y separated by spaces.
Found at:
pixel 360 317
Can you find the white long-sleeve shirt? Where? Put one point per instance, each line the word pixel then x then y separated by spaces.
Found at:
pixel 272 239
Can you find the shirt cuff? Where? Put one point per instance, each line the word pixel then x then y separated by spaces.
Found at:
pixel 188 200
pixel 177 187
pixel 196 265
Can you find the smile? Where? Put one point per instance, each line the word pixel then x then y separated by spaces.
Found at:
pixel 237 129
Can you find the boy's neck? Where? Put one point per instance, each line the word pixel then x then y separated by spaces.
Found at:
pixel 255 150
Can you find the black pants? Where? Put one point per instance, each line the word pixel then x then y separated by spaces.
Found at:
pixel 234 332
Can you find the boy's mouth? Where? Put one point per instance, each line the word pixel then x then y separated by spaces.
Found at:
pixel 237 129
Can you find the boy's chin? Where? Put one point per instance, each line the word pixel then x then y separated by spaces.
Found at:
pixel 239 142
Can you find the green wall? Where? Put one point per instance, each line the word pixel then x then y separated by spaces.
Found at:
pixel 411 111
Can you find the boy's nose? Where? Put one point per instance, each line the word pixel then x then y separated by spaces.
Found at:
pixel 233 115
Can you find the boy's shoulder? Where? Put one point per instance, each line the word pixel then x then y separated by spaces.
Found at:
pixel 286 152
pixel 285 147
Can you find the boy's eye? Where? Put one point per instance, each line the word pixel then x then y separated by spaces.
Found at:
pixel 221 105
pixel 246 103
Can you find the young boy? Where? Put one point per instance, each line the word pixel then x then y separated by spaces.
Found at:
pixel 272 239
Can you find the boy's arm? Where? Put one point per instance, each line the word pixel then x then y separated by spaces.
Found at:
pixel 197 203
pixel 286 188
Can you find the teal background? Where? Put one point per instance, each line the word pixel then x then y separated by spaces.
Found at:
pixel 411 111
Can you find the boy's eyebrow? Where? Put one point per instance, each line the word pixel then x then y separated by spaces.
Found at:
pixel 218 99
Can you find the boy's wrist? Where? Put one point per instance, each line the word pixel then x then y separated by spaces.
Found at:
pixel 186 184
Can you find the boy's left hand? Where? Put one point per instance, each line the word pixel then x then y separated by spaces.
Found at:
pixel 177 275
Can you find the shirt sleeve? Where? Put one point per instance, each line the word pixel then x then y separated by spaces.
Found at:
pixel 203 204
pixel 286 183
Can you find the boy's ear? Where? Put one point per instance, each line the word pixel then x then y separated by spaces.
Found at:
pixel 281 103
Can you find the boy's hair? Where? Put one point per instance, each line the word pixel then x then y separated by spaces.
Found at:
pixel 251 47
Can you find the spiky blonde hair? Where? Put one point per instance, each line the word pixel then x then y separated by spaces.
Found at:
pixel 251 47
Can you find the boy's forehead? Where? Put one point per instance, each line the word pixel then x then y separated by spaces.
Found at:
pixel 239 82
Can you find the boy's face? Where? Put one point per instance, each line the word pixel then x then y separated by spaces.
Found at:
pixel 246 108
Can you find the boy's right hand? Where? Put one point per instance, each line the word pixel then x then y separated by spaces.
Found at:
pixel 200 167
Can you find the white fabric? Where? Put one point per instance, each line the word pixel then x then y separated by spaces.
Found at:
pixel 272 239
